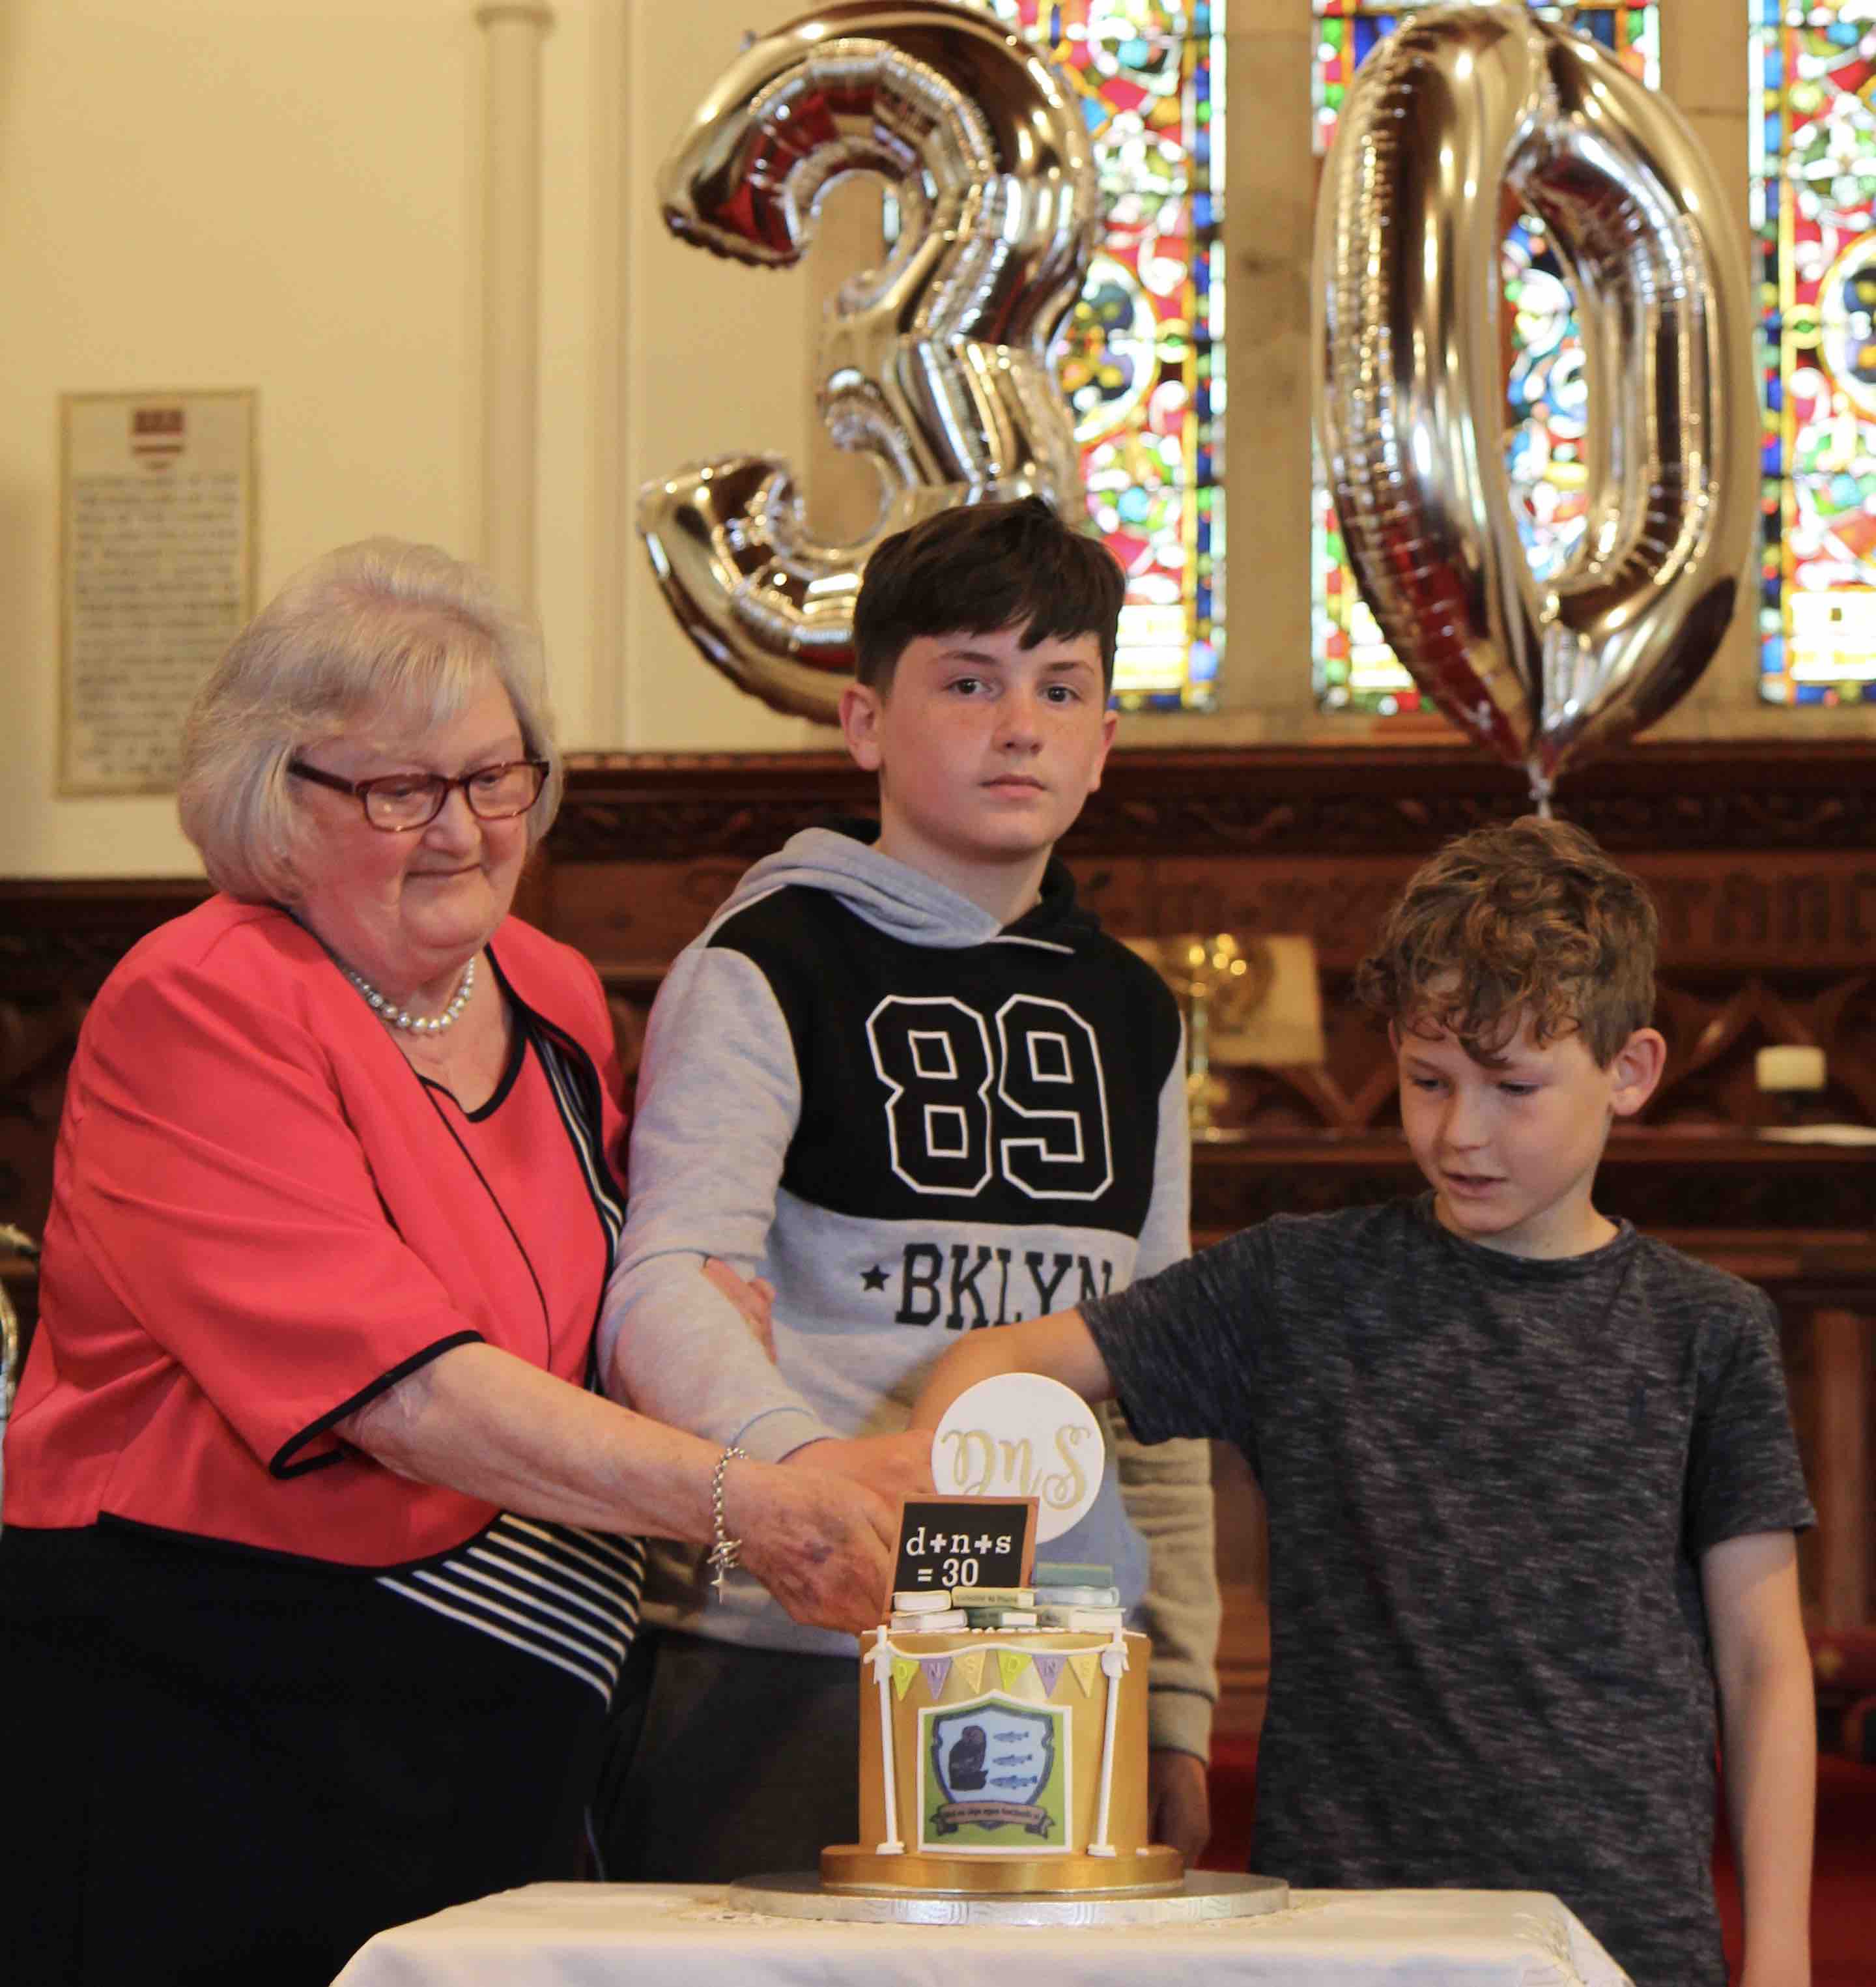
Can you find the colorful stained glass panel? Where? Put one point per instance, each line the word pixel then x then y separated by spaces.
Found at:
pixel 1814 201
pixel 1142 357
pixel 1355 669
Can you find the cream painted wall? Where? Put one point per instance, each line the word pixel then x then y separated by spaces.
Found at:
pixel 194 195
pixel 254 193
pixel 259 193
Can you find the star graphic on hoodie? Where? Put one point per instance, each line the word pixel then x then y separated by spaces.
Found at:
pixel 874 1278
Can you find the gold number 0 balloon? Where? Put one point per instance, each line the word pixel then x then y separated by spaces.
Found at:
pixel 1451 110
pixel 936 364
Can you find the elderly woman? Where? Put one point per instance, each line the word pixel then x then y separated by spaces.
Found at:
pixel 317 1573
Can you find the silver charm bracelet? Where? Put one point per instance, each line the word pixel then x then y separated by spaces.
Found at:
pixel 723 1548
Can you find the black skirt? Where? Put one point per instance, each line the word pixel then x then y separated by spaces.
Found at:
pixel 222 1766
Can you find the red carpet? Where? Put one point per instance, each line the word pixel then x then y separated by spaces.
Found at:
pixel 1844 1883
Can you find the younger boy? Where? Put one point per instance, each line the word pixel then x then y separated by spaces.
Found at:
pixel 909 1083
pixel 1531 1476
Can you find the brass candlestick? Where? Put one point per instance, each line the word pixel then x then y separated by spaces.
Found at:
pixel 1248 1003
pixel 1206 966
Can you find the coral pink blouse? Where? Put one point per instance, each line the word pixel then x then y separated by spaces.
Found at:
pixel 263 1217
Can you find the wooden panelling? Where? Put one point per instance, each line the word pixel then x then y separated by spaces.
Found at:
pixel 1761 858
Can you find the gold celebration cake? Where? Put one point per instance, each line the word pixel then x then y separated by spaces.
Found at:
pixel 1002 1759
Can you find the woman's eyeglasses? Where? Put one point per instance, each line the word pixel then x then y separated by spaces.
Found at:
pixel 397 802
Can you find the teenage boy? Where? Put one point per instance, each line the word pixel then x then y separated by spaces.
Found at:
pixel 1531 1480
pixel 903 1078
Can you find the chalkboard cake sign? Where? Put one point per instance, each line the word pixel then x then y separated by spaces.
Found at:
pixel 949 1544
pixel 1020 1434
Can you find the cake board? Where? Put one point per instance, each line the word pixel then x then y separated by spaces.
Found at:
pixel 1200 1895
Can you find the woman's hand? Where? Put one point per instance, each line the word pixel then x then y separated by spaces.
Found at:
pixel 755 1299
pixel 821 1543
pixel 891 1466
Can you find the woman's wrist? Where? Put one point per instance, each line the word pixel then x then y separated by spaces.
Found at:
pixel 724 1550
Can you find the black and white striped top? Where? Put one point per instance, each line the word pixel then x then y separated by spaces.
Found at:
pixel 566 1595
pixel 562 1593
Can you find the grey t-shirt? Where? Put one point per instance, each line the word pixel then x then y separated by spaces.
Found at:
pixel 1490 1481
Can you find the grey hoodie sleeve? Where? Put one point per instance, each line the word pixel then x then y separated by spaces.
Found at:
pixel 1166 1487
pixel 1165 1236
pixel 718 1099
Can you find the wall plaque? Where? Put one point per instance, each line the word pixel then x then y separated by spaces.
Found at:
pixel 156 574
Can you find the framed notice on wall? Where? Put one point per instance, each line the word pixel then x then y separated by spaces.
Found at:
pixel 156 574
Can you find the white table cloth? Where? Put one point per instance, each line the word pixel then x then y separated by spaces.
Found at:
pixel 634 1935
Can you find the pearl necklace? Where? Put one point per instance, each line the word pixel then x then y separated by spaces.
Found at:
pixel 402 1017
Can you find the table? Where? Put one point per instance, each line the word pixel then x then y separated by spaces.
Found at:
pixel 619 1935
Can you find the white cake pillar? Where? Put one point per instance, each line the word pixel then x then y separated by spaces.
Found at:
pixel 1113 1661
pixel 881 1660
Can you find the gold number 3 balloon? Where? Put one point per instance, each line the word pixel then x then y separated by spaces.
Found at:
pixel 1453 110
pixel 936 364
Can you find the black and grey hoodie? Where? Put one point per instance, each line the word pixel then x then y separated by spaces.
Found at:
pixel 914 1122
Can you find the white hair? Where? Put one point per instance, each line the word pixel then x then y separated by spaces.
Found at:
pixel 383 625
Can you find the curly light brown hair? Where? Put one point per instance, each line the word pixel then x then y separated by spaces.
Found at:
pixel 1523 918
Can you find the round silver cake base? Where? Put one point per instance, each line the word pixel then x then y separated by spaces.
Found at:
pixel 1205 1894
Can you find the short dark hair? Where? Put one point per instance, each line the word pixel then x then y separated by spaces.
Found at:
pixel 1527 917
pixel 981 568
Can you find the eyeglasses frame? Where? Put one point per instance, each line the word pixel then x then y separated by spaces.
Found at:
pixel 360 790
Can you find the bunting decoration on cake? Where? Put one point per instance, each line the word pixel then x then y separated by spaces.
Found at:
pixel 1013 1663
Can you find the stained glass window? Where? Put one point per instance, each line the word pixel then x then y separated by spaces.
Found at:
pixel 1354 669
pixel 1814 199
pixel 1142 357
